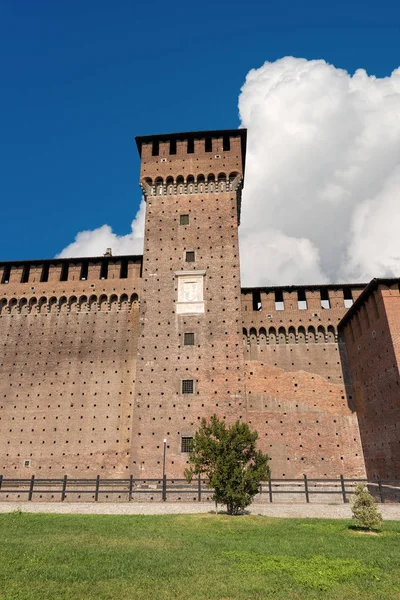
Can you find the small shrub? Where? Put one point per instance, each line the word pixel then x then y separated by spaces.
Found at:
pixel 364 508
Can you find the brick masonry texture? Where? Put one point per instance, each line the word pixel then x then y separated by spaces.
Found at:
pixel 372 337
pixel 93 354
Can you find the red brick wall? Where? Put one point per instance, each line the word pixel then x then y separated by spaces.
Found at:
pixel 67 373
pixel 372 338
pixel 298 389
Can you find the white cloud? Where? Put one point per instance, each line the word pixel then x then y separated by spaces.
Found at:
pixel 322 180
pixel 322 177
pixel 95 242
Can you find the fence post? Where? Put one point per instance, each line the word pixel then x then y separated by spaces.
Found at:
pixel 96 494
pixel 130 488
pixel 306 488
pixel 164 488
pixel 64 487
pixel 343 489
pixel 199 488
pixel 1 481
pixel 380 490
pixel 32 483
pixel 270 488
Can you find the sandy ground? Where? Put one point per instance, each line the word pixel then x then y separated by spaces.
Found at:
pixel 326 511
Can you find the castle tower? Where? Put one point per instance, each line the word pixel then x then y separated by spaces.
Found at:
pixel 190 356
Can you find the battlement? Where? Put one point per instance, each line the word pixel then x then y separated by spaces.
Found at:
pixel 69 269
pixel 200 156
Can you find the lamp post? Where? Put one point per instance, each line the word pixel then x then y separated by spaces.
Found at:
pixel 164 488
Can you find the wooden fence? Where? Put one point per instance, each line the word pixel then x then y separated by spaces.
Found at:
pixel 179 490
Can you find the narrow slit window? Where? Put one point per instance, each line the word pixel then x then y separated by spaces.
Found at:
pixel 155 148
pixel 301 300
pixel 188 339
pixel 190 256
pixel 25 274
pixel 208 144
pixel 124 269
pixel 187 386
pixel 6 274
pixel 172 147
pixel 84 271
pixel 186 444
pixel 64 271
pixel 45 273
pixel 226 143
pixel 104 270
pixel 347 297
pixel 257 301
pixel 279 303
pixel 184 220
pixel 325 302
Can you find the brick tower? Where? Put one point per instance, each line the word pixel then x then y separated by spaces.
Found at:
pixel 190 356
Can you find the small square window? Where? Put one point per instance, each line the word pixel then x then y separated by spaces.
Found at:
pixel 190 256
pixel 187 386
pixel 27 463
pixel 189 339
pixel 184 220
pixel 186 444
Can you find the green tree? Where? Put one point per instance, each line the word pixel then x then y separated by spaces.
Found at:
pixel 364 508
pixel 228 457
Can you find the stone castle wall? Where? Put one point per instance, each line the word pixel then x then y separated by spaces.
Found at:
pixel 67 369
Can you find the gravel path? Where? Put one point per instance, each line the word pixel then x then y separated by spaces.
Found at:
pixel 327 511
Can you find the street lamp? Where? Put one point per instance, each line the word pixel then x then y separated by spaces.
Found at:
pixel 164 489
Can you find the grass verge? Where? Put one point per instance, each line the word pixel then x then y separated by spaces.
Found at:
pixel 99 557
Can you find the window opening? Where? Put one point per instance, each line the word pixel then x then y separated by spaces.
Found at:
pixel 279 303
pixel 124 269
pixel 188 339
pixel 257 301
pixel 84 270
pixel 226 143
pixel 45 273
pixel 186 444
pixel 325 302
pixel 184 220
pixel 64 271
pixel 190 146
pixel 347 297
pixel 172 146
pixel 208 144
pixel 156 148
pixel 190 257
pixel 104 270
pixel 187 386
pixel 6 274
pixel 301 300
pixel 25 274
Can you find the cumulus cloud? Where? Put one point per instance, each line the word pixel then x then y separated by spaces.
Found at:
pixel 95 241
pixel 322 177
pixel 322 180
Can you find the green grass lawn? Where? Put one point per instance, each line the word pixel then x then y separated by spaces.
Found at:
pixel 46 557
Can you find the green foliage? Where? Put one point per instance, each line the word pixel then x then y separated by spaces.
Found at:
pixel 229 459
pixel 364 508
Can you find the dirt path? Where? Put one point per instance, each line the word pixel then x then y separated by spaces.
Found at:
pixel 327 511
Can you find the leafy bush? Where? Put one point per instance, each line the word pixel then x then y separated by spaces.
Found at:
pixel 364 508
pixel 230 461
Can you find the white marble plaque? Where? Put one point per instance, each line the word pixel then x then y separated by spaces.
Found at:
pixel 190 292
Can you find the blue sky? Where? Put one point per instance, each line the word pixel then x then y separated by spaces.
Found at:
pixel 80 79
